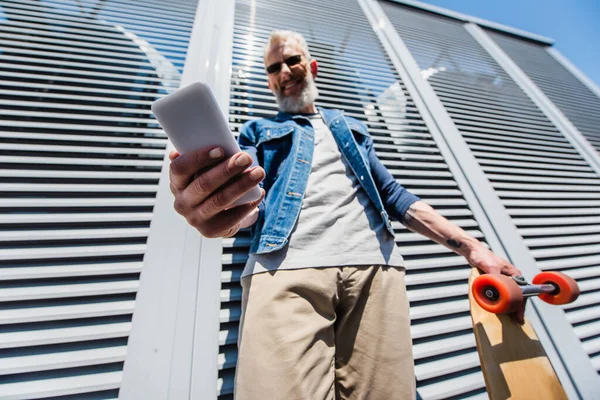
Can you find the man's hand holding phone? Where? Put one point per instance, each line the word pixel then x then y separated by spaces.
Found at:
pixel 206 184
pixel 215 189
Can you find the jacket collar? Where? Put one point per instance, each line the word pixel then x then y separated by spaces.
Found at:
pixel 329 115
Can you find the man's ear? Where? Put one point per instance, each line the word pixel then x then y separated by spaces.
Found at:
pixel 314 68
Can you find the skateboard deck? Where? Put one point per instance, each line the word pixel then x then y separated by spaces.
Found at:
pixel 513 360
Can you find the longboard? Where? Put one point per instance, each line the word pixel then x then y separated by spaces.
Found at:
pixel 513 361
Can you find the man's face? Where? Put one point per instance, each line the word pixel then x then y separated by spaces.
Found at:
pixel 289 81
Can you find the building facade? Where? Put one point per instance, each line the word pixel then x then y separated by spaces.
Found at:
pixel 106 292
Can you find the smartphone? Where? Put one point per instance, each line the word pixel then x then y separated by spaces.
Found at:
pixel 191 118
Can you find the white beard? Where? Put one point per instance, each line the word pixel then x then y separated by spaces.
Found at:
pixel 293 105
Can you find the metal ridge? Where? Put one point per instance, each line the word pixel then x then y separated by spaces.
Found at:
pixel 479 21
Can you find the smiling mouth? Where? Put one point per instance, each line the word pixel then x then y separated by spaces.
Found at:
pixel 290 85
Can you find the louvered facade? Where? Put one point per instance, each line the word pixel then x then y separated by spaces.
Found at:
pixel 574 99
pixel 80 155
pixel 549 190
pixel 81 158
pixel 567 236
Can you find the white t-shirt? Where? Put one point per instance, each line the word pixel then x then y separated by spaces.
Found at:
pixel 338 225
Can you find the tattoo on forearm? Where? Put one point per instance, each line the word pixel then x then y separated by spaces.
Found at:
pixel 454 243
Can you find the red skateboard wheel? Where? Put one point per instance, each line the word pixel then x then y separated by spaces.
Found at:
pixel 568 290
pixel 498 294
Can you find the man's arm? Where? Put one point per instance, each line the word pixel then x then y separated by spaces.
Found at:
pixel 420 217
pixel 396 199
pixel 423 219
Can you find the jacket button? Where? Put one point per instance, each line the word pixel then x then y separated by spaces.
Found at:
pixel 362 178
pixel 268 132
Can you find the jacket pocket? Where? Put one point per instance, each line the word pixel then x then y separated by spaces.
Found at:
pixel 271 133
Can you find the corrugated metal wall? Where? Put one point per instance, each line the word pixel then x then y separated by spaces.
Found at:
pixel 80 155
pixel 579 246
pixel 548 189
pixel 578 103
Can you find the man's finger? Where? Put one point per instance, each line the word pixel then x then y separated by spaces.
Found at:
pixel 250 219
pixel 235 215
pixel 173 155
pixel 511 270
pixel 219 187
pixel 519 315
pixel 183 167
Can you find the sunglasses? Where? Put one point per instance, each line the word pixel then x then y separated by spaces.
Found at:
pixel 290 62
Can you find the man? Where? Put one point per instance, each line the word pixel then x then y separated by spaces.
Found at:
pixel 324 311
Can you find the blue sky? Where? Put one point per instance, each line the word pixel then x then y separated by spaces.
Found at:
pixel 573 24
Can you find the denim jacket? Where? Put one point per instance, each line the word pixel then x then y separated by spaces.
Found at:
pixel 284 147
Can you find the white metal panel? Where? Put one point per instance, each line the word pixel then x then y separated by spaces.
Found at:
pixel 173 349
pixel 574 99
pixel 81 156
pixel 476 20
pixel 96 379
pixel 63 359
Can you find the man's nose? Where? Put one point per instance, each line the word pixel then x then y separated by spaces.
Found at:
pixel 285 70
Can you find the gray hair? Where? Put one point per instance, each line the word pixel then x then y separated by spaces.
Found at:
pixel 282 35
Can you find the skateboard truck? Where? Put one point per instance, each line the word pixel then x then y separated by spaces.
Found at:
pixel 528 290
pixel 520 280
pixel 501 294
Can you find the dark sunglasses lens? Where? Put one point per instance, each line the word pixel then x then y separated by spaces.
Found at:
pixel 290 61
pixel 274 68
pixel 293 60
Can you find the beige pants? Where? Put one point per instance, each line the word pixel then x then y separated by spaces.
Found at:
pixel 325 333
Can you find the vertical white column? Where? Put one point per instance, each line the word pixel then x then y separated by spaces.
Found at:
pixel 173 347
